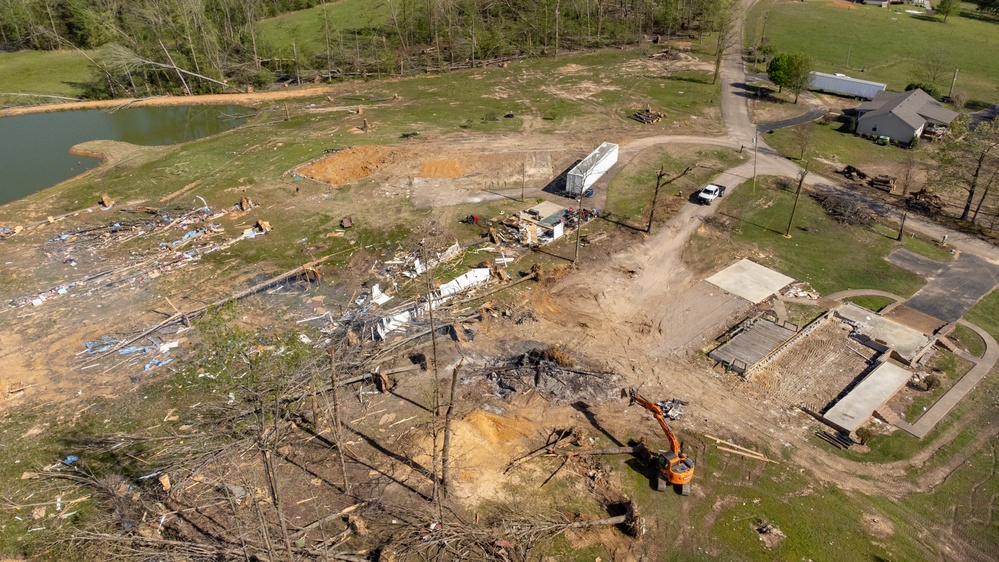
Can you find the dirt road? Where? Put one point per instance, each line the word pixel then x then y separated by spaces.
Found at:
pixel 211 99
pixel 638 294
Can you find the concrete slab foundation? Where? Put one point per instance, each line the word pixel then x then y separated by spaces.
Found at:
pixel 907 343
pixel 870 394
pixel 750 281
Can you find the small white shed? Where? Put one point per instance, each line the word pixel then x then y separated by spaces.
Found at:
pixel 588 171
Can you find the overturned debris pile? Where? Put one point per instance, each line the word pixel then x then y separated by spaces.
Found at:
pixel 925 202
pixel 852 173
pixel 553 373
pixel 647 117
pixel 843 209
pixel 883 182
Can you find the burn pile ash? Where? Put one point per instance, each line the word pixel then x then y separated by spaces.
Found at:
pixel 553 373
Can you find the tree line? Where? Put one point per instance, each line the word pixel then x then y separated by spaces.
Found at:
pixel 141 47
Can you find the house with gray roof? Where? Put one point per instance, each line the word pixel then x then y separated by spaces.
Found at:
pixel 901 116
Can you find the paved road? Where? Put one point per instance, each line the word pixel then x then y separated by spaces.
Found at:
pixel 812 114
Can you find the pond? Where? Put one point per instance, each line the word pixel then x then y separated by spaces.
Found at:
pixel 34 148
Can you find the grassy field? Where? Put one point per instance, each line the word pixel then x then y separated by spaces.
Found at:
pixel 55 73
pixel 346 18
pixel 884 45
pixel 630 194
pixel 833 148
pixel 830 256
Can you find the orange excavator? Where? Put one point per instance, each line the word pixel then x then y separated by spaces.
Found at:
pixel 672 466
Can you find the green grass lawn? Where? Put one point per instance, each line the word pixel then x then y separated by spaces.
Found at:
pixel 832 144
pixel 830 256
pixel 969 339
pixel 630 194
pixel 307 28
pixel 952 368
pixel 885 45
pixel 56 73
pixel 985 314
pixel 872 303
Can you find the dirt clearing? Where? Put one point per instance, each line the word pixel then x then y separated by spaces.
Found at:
pixel 442 169
pixel 349 165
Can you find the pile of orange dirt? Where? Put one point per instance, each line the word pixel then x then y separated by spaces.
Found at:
pixel 441 169
pixel 349 165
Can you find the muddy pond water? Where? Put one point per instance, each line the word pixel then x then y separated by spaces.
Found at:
pixel 34 148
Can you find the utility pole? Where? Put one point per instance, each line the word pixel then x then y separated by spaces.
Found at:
pixel 953 83
pixel 756 150
pixel 523 179
pixel 763 34
pixel 579 219
pixel 794 207
pixel 652 211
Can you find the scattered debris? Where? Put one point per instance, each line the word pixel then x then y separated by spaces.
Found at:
pixel 739 450
pixel 852 173
pixel 801 290
pixel 347 222
pixel 770 535
pixel 647 116
pixel 925 201
pixel 539 371
pixel 843 209
pixel 883 182
pixel 106 201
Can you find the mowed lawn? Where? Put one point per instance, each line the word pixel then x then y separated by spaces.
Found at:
pixel 828 255
pixel 885 45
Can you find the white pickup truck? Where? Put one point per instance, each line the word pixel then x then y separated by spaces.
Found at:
pixel 710 193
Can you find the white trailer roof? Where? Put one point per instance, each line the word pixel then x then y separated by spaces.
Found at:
pixel 847 78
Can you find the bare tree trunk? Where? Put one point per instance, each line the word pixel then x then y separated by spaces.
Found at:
pixel 435 401
pixel 558 19
pixel 179 75
pixel 337 423
pixel 985 194
pixel 266 445
pixel 294 51
pixel 448 417
pixel 329 39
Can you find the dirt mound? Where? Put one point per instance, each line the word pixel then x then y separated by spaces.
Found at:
pixel 349 165
pixel 441 169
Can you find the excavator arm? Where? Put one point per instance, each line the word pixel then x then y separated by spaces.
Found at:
pixel 675 466
pixel 674 443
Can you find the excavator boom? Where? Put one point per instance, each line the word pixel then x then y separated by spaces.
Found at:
pixel 657 412
pixel 675 466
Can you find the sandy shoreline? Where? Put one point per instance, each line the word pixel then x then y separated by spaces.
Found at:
pixel 210 99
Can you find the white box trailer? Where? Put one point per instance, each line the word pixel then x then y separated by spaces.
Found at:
pixel 843 84
pixel 583 175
